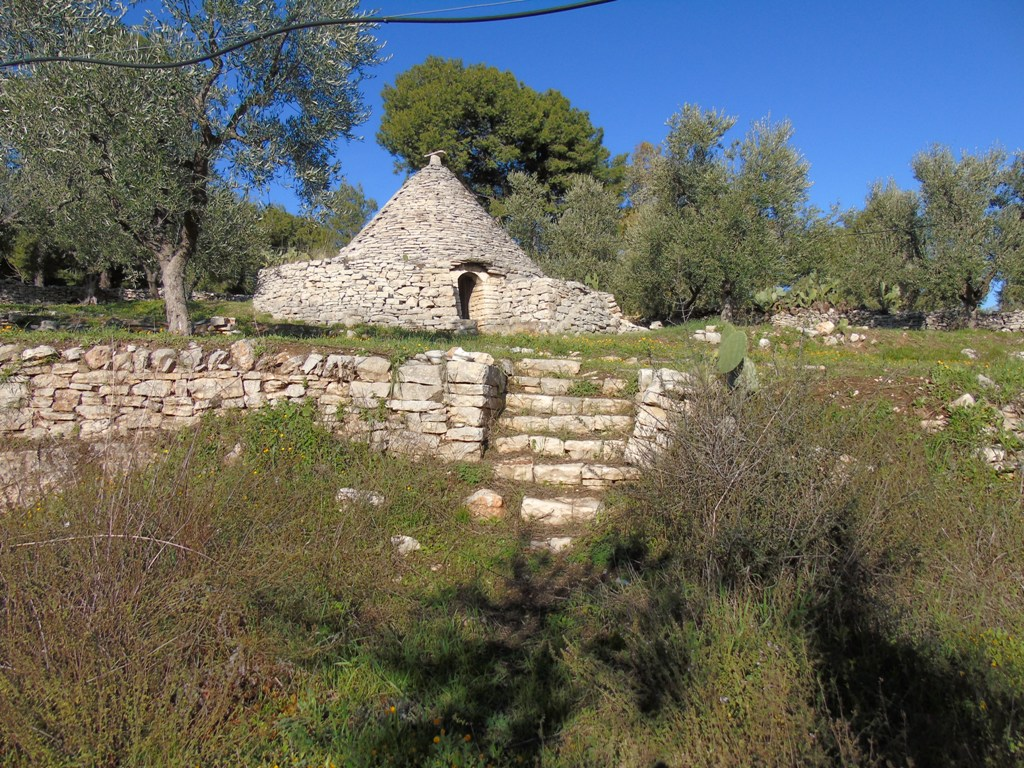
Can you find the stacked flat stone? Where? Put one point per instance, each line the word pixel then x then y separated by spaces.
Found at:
pixel 403 270
pixel 938 320
pixel 432 404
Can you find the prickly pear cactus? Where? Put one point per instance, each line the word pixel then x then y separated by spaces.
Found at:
pixel 732 349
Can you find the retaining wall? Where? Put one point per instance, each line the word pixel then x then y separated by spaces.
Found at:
pixel 433 404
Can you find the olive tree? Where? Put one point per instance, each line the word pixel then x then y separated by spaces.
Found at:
pixel 154 143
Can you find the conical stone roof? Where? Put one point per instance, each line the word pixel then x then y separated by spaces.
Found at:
pixel 436 222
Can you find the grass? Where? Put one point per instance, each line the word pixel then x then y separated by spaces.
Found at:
pixel 805 578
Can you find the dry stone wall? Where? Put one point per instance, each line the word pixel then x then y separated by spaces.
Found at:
pixel 434 404
pixel 940 320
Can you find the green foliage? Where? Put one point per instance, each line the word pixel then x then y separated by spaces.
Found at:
pixel 813 291
pixel 575 237
pixel 712 223
pixel 489 124
pixel 584 388
pixel 732 350
pixel 144 150
pixel 972 230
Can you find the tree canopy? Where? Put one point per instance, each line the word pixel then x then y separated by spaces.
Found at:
pixel 146 148
pixel 490 125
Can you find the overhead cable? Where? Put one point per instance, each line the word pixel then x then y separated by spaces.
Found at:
pixel 298 26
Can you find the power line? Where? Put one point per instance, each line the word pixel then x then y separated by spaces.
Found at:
pixel 283 30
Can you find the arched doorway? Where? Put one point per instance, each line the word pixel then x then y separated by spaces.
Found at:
pixel 467 285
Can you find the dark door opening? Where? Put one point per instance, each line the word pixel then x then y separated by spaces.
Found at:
pixel 467 283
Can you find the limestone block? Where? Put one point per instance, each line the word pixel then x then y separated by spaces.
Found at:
pixel 217 358
pixel 189 359
pixel 122 361
pixel 559 511
pixel 415 422
pixel 311 363
pixel 38 353
pixel 94 411
pixel 485 503
pixel 528 383
pixel 652 416
pixel 459 451
pixel 243 355
pixel 540 367
pixel 414 406
pixel 208 388
pixel 559 474
pixel 590 406
pixel 416 391
pixel 294 390
pixel 108 391
pixel 466 434
pixel 92 429
pixel 51 414
pixel 549 386
pixel 139 419
pixel 474 401
pixel 417 373
pixel 14 420
pixel 584 449
pixel 13 394
pixel 65 400
pixel 251 386
pixel 547 446
pixel 273 385
pixel 49 381
pixel 469 417
pixel 520 472
pixel 540 404
pixel 140 360
pixel 153 388
pixel 163 360
pixel 178 406
pixel 408 441
pixel 601 474
pixel 98 357
pixel 512 444
pixel 255 399
pixel 480 390
pixel 369 389
pixel 63 369
pixel 341 367
pixel 373 369
pixel 8 352
pixel 289 364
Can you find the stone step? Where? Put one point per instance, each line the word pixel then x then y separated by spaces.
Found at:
pixel 534 385
pixel 577 474
pixel 566 425
pixel 561 510
pixel 556 447
pixel 563 405
pixel 547 366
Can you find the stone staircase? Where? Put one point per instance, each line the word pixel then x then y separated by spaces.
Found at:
pixel 562 436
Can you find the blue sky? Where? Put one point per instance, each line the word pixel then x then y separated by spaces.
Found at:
pixel 866 85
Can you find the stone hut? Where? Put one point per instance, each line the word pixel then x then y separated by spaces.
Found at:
pixel 432 258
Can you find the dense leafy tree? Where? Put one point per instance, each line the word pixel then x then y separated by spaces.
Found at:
pixel 713 223
pixel 339 217
pixel 884 265
pixel 576 238
pixel 344 212
pixel 490 125
pixel 151 142
pixel 1011 198
pixel 971 225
